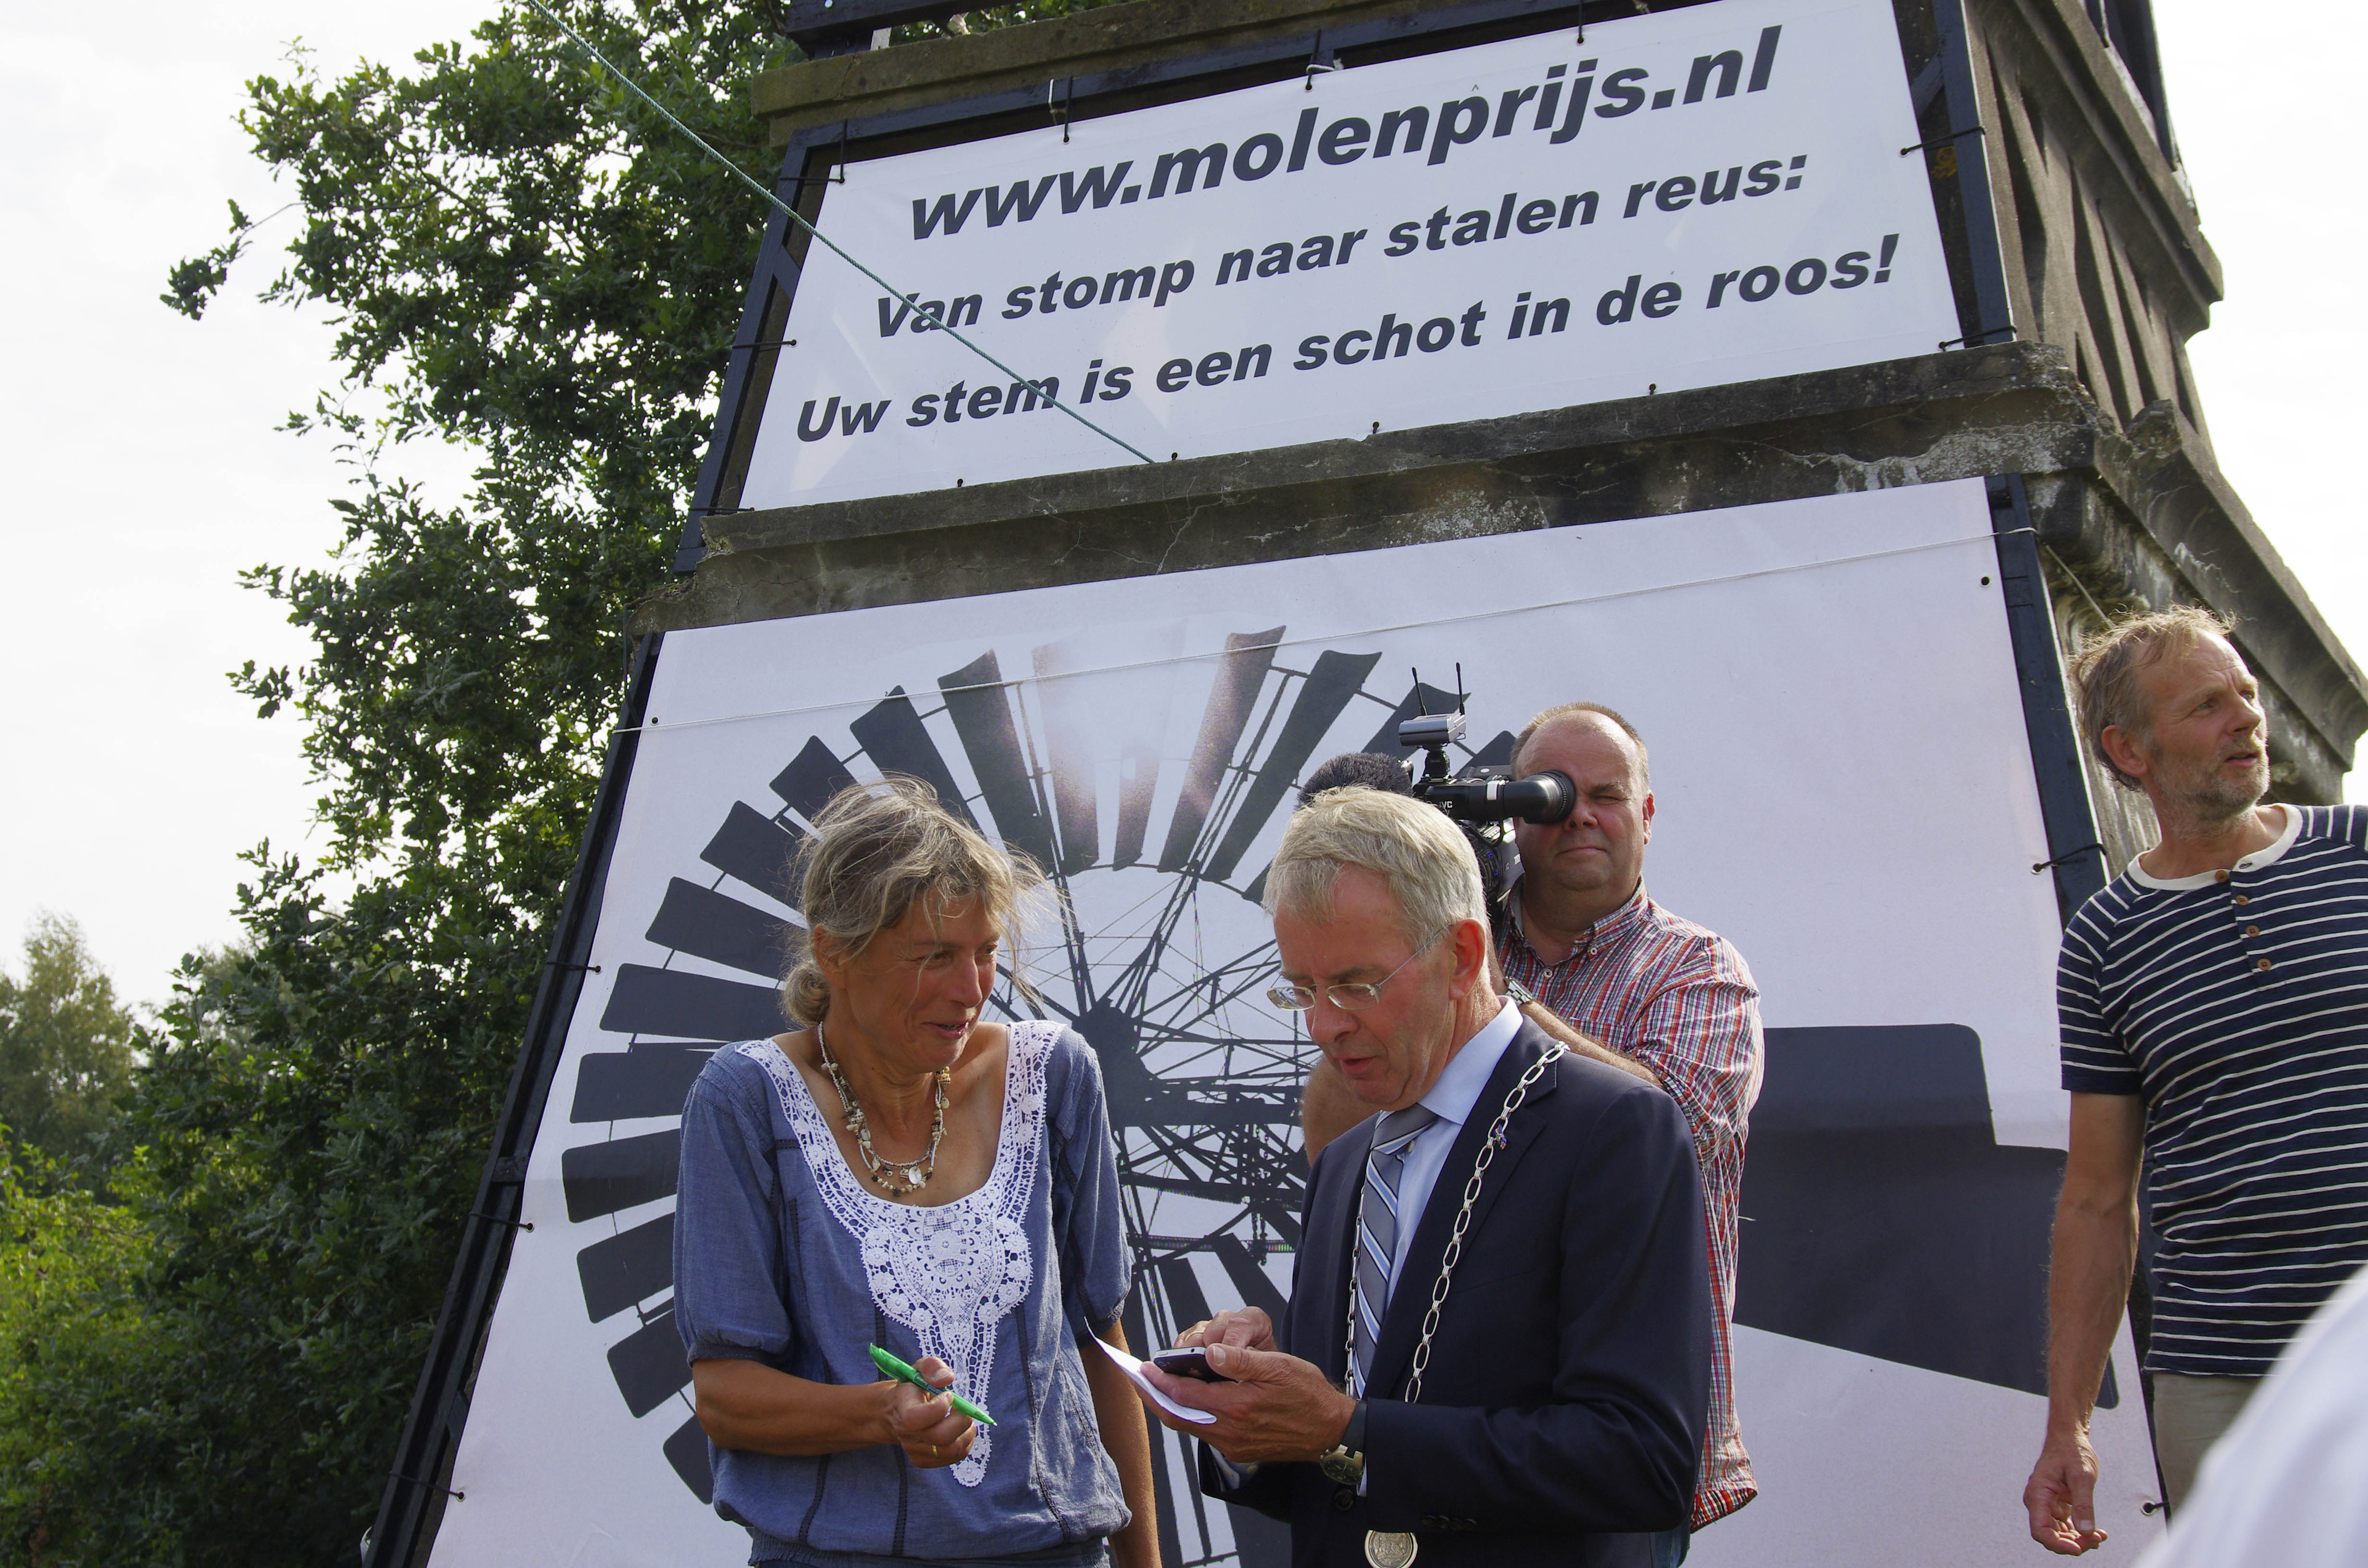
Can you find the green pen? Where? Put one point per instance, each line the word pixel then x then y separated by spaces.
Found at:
pixel 904 1374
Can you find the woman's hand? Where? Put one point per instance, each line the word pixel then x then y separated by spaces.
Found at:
pixel 927 1427
pixel 1245 1327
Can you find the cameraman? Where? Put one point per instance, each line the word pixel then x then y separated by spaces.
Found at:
pixel 1596 962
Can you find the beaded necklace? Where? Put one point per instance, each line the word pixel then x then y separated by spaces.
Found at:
pixel 898 1178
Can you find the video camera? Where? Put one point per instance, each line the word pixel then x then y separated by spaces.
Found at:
pixel 1484 800
pixel 1482 794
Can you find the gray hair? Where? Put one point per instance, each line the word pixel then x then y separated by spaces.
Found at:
pixel 878 851
pixel 1409 843
pixel 2106 673
pixel 1575 709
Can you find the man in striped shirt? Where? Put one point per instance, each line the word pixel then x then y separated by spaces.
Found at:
pixel 1596 963
pixel 2214 1018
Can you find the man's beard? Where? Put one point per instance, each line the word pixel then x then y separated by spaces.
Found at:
pixel 2213 798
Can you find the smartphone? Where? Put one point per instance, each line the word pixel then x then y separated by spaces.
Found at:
pixel 1190 1362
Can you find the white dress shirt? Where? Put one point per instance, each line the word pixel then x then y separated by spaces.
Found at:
pixel 1452 1100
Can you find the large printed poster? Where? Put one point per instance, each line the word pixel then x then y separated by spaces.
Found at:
pixel 1844 790
pixel 1680 200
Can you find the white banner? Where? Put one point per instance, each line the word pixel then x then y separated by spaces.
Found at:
pixel 1685 198
pixel 1844 791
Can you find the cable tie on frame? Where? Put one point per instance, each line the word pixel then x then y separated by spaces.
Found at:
pixel 1950 140
pixel 2009 329
pixel 456 1496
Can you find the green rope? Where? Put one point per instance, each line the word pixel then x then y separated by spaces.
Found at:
pixel 799 219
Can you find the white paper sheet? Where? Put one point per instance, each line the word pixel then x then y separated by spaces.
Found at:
pixel 1133 1370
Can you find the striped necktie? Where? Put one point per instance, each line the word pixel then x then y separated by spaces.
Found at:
pixel 1377 1226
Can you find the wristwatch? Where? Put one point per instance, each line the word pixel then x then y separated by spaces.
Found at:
pixel 1521 994
pixel 1344 1460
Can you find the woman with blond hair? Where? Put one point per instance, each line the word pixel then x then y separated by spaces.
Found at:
pixel 897 1172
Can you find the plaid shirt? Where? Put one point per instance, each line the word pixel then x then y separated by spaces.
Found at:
pixel 1679 1000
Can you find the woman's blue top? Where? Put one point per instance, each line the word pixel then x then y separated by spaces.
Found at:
pixel 781 1256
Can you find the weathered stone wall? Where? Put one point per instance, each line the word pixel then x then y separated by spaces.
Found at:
pixel 2104 257
pixel 2010 408
pixel 1109 37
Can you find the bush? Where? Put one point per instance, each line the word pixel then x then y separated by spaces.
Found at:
pixel 79 1368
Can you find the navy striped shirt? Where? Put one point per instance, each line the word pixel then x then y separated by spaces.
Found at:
pixel 2236 1003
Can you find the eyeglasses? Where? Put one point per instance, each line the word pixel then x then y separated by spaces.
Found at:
pixel 1349 997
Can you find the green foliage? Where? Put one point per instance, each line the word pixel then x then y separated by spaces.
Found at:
pixel 519 259
pixel 522 258
pixel 77 1375
pixel 309 1142
pixel 192 283
pixel 66 1049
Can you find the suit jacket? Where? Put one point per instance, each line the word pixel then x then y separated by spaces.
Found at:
pixel 1561 1416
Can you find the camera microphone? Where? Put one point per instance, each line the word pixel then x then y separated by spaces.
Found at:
pixel 1372 770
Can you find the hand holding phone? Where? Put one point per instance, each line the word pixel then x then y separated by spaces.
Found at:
pixel 1192 1361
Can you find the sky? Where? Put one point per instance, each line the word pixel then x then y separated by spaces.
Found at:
pixel 147 471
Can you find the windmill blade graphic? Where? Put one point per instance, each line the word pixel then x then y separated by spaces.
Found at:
pixel 981 709
pixel 1159 966
pixel 1231 705
pixel 1202 1075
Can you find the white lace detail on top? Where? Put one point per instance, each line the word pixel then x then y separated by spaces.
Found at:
pixel 952 1272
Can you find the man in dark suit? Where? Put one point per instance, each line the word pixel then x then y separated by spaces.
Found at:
pixel 1554 1413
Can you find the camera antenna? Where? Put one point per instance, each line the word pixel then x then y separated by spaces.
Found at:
pixel 1432 733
